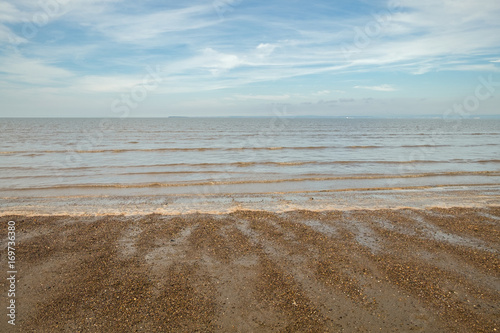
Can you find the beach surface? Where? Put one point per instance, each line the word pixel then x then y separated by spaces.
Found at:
pixel 356 270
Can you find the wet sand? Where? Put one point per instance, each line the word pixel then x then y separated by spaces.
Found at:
pixel 384 270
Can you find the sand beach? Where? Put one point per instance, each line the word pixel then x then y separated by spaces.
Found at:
pixel 387 270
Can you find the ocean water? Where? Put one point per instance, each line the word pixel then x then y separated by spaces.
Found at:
pixel 178 156
pixel 74 154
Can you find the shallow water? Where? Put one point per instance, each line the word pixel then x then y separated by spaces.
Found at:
pixel 234 155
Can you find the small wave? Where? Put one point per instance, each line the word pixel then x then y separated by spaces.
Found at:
pixel 271 181
pixel 364 147
pixel 123 174
pixel 241 164
pixel 256 163
pixel 280 148
pixel 484 133
pixel 202 149
pixel 488 161
pixel 179 149
pixel 199 172
pixel 425 146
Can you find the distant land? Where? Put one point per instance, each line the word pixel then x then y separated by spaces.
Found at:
pixel 432 116
pixel 436 116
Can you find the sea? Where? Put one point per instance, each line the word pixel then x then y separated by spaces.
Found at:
pixel 119 162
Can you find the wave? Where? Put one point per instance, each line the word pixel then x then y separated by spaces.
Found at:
pixel 365 147
pixel 126 150
pixel 494 133
pixel 293 163
pixel 254 163
pixel 488 161
pixel 33 154
pixel 270 181
pixel 123 174
pixel 197 149
pixel 424 146
pixel 297 163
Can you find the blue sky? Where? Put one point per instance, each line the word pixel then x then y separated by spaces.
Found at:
pixel 113 58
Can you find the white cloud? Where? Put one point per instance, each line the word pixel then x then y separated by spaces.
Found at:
pixel 11 14
pixel 475 68
pixel 10 38
pixel 322 93
pixel 263 97
pixel 383 87
pixel 327 92
pixel 218 61
pixel 410 35
pixel 138 29
pixel 96 83
pixel 264 50
pixel 21 70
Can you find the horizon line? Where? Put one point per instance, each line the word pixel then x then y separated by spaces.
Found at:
pixel 429 116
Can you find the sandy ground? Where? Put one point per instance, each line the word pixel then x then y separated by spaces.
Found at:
pixel 404 270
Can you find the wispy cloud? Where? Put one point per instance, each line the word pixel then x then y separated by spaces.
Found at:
pixel 383 87
pixel 21 71
pixel 138 29
pixel 322 93
pixel 263 97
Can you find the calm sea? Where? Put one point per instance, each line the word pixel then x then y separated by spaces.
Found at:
pixel 68 157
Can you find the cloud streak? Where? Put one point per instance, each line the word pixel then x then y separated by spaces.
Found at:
pixel 382 87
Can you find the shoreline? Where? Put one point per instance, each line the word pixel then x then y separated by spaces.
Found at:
pixel 277 202
pixel 426 269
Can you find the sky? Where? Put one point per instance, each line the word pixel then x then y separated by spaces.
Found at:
pixel 151 58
